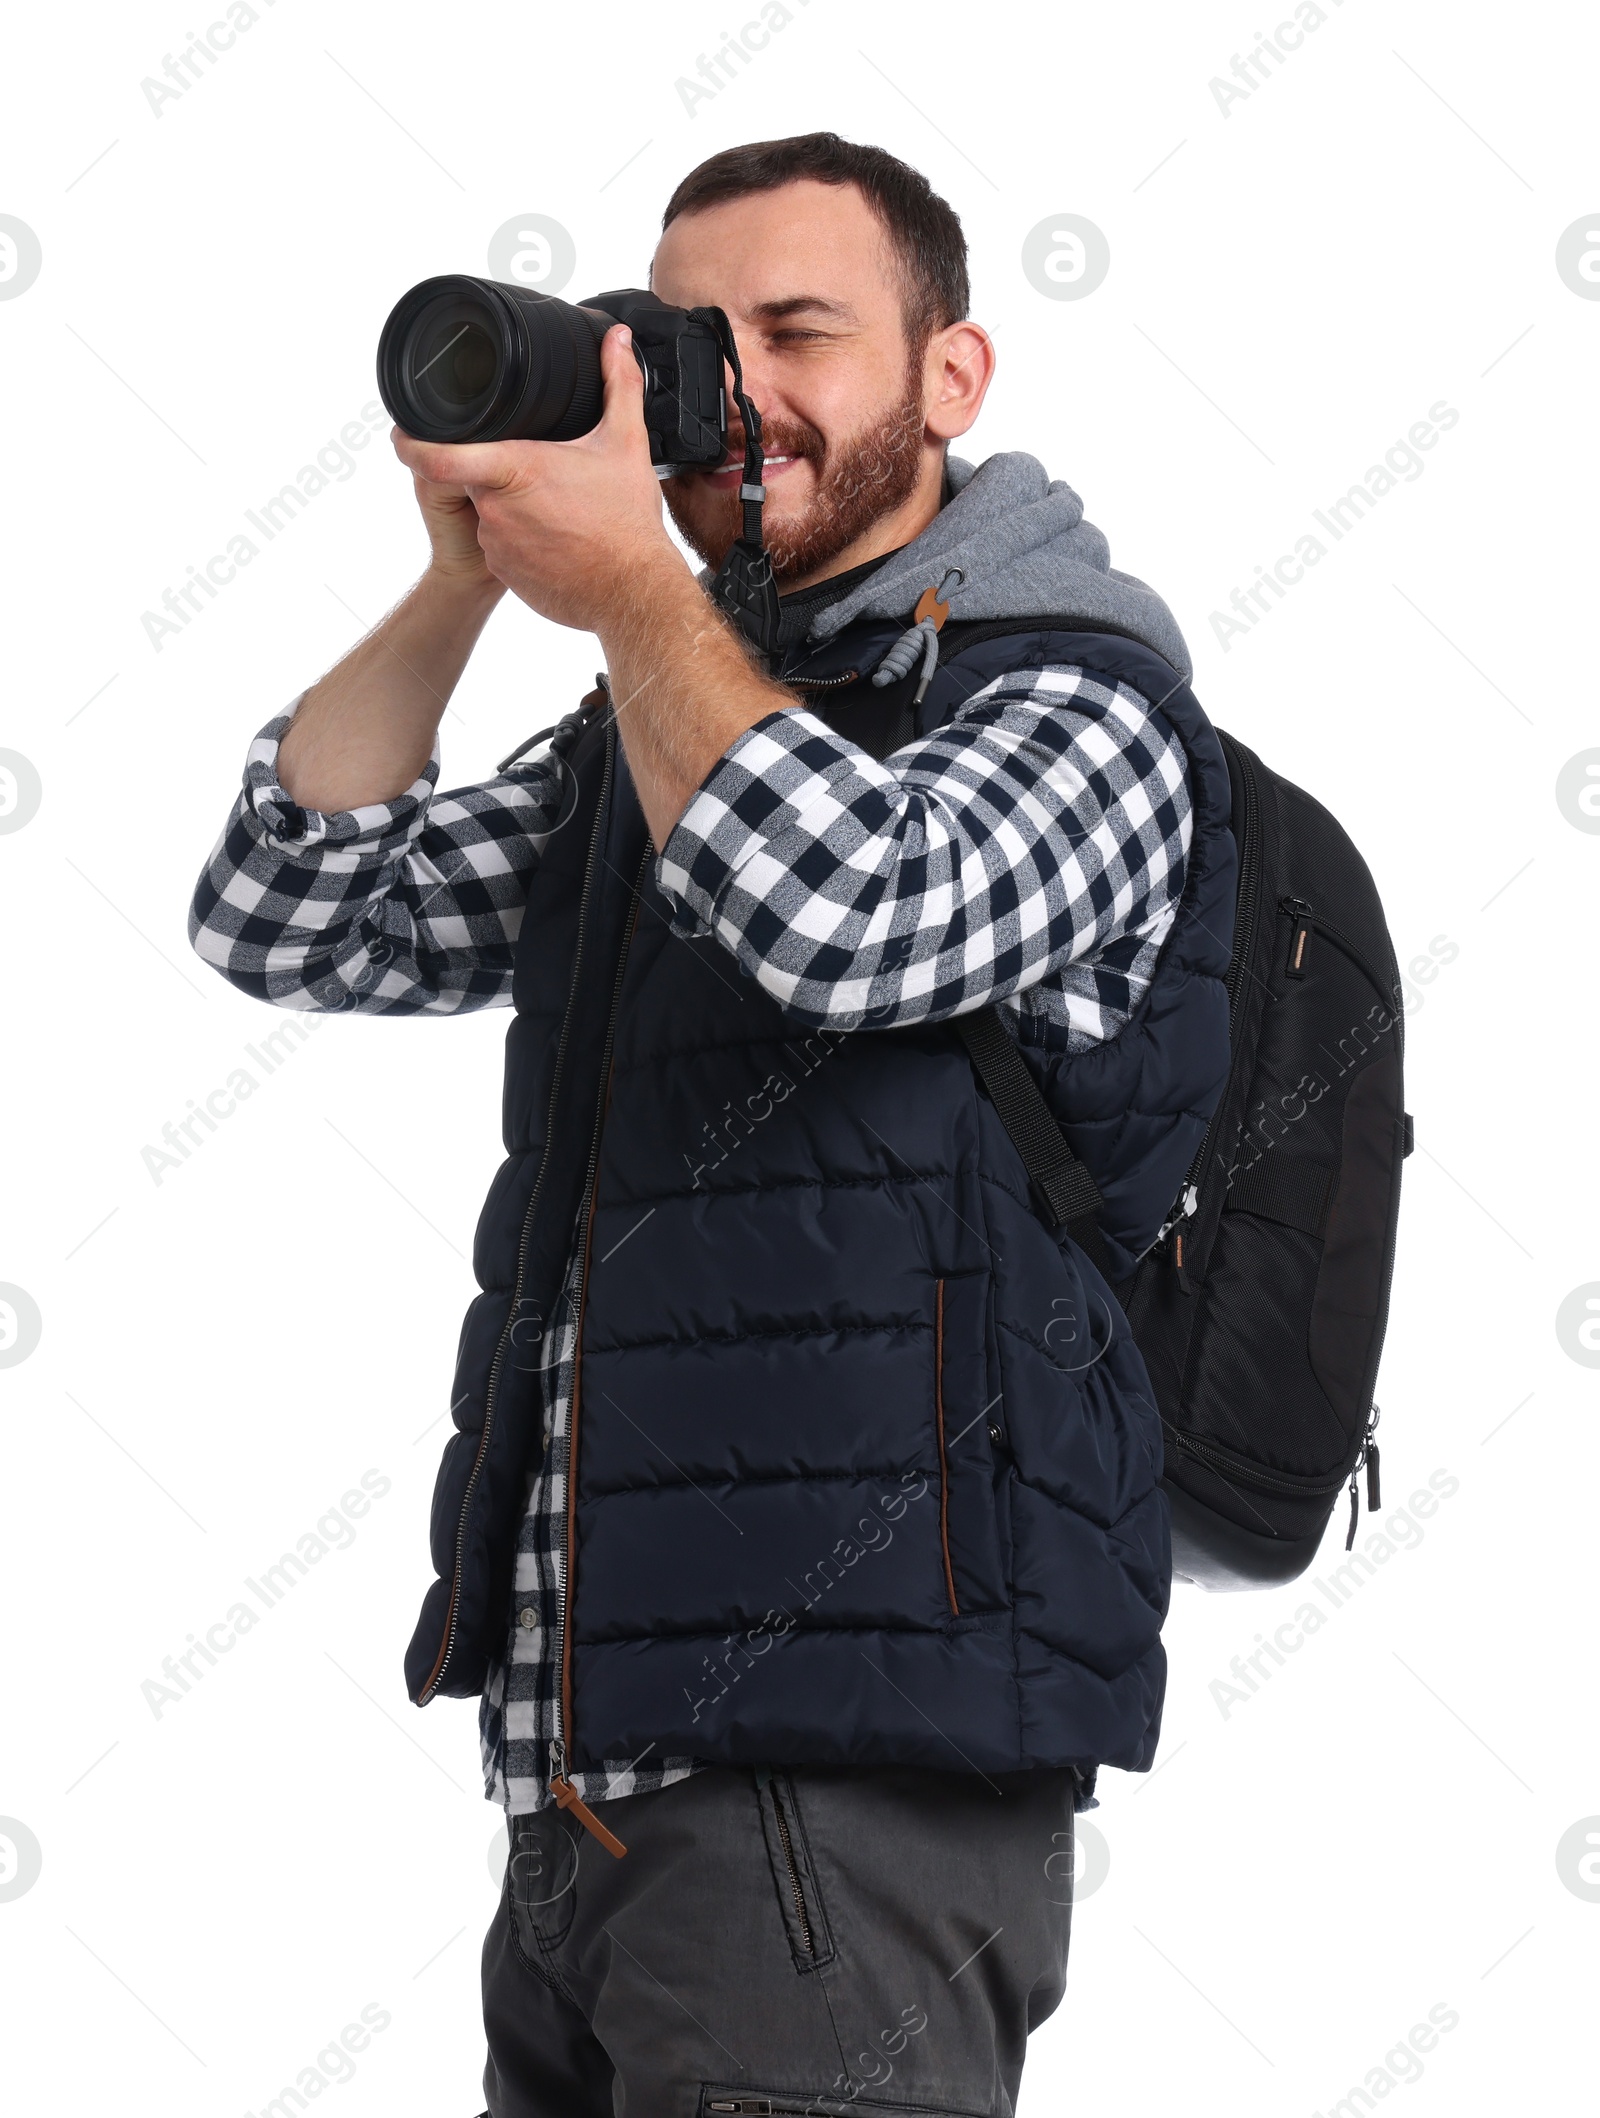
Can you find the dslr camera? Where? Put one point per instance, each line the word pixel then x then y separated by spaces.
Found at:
pixel 464 359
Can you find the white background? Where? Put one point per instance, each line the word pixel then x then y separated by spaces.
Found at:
pixel 1374 1831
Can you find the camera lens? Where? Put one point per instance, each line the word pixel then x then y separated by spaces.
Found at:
pixel 465 359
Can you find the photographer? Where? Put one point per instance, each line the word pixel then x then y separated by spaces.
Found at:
pixel 801 1531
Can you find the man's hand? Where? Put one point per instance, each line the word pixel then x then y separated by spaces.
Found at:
pixel 571 527
pixel 575 529
pixel 451 521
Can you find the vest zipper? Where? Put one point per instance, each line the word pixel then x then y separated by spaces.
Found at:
pixel 560 1784
pixel 787 1844
pixel 850 676
pixel 448 1646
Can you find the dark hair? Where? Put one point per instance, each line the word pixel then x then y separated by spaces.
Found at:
pixel 924 232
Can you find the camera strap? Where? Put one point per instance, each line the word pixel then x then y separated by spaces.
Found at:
pixel 743 585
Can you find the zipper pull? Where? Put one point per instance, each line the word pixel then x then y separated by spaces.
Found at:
pixel 1299 934
pixel 567 1797
pixel 1369 1457
pixel 1182 1214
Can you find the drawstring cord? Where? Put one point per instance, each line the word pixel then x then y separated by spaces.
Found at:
pixel 921 638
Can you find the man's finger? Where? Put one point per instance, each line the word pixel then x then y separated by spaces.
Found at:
pixel 484 464
pixel 623 378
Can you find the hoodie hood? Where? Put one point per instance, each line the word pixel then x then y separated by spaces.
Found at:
pixel 1024 550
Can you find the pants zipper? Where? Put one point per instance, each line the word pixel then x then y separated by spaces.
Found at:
pixel 787 1843
pixel 763 2107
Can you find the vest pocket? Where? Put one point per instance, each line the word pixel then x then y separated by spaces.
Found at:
pixel 968 1432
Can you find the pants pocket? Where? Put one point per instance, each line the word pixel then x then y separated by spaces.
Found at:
pixel 744 2102
pixel 541 1875
pixel 794 1879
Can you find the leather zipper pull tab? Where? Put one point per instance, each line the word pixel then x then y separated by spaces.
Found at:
pixel 1355 1510
pixel 1373 1502
pixel 567 1797
pixel 1300 921
pixel 1183 1214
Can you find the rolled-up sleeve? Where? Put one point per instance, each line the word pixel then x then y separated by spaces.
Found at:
pixel 410 906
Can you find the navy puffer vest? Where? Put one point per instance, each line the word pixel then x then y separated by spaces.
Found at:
pixel 863 1461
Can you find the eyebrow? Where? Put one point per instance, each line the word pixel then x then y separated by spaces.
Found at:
pixel 776 311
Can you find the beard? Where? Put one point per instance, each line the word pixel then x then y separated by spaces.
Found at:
pixel 859 479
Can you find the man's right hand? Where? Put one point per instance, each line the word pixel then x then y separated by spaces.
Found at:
pixel 451 521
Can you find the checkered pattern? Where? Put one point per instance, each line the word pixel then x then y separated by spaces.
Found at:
pixel 408 907
pixel 1031 851
pixel 1027 851
pixel 516 1720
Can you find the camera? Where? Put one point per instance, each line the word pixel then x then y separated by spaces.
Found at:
pixel 463 359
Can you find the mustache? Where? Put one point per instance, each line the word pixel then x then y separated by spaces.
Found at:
pixel 779 437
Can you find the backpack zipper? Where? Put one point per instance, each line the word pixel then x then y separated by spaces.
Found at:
pixel 1369 1457
pixel 1243 1470
pixel 448 1647
pixel 561 1786
pixel 787 1844
pixel 1305 917
pixel 1244 935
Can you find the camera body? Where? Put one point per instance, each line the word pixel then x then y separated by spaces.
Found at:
pixel 685 406
pixel 465 359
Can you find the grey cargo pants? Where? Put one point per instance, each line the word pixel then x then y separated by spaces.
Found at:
pixel 833 1940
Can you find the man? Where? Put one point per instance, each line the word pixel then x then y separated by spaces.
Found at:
pixel 801 1530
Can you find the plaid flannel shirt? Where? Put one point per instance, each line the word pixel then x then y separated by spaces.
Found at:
pixel 1027 852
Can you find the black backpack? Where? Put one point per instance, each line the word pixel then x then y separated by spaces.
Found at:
pixel 1260 1309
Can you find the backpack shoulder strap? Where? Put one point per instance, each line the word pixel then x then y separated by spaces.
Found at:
pixel 1063 1187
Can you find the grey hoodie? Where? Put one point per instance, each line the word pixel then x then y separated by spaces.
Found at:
pixel 1025 550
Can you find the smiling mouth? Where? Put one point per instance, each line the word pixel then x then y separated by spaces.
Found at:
pixel 723 477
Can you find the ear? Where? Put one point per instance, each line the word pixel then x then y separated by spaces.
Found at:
pixel 957 370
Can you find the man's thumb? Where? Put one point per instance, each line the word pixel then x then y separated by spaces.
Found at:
pixel 624 380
